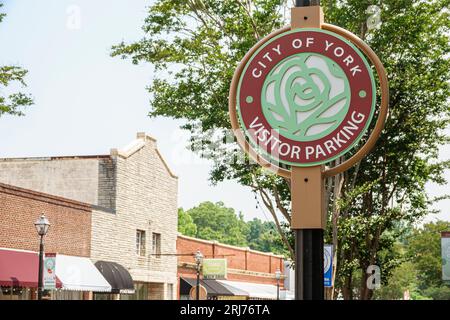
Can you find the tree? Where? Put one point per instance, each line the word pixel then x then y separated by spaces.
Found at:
pixel 211 221
pixel 403 279
pixel 214 221
pixel 438 293
pixel 420 271
pixel 424 250
pixel 198 43
pixel 186 225
pixel 9 76
pixel 263 236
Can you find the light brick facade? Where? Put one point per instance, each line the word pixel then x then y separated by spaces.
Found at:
pixel 146 199
pixel 130 189
pixel 68 177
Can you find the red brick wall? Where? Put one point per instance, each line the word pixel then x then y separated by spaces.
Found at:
pixel 237 258
pixel 70 230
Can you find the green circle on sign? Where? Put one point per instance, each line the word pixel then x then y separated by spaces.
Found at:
pixel 362 93
pixel 306 96
pixel 249 99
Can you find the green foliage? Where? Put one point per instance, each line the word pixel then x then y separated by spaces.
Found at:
pixel 421 271
pixel 263 236
pixel 403 278
pixel 11 75
pixel 195 46
pixel 185 224
pixel 438 293
pixel 424 250
pixel 214 221
pixel 385 193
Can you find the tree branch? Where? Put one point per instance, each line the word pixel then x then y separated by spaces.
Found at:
pixel 280 206
pixel 268 203
pixel 248 12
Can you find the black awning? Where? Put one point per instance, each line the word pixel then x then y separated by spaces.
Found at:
pixel 213 287
pixel 118 277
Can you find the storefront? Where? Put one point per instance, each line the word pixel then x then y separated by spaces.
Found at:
pixel 229 272
pixel 231 290
pixel 19 274
pixel 76 277
pixel 253 291
pixel 120 207
pixel 215 290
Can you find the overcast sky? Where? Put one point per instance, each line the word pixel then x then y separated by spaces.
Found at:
pixel 87 102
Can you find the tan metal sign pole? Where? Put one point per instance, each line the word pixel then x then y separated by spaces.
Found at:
pixel 301 97
pixel 307 198
pixel 307 184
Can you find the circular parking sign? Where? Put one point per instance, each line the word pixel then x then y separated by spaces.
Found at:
pixel 203 293
pixel 304 97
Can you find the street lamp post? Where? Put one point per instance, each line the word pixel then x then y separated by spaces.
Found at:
pixel 278 277
pixel 42 226
pixel 198 260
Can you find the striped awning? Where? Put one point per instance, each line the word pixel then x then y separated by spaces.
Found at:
pixel 253 290
pixel 80 274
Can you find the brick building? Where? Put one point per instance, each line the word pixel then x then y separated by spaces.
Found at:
pixel 69 237
pixel 133 195
pixel 250 274
pixel 70 222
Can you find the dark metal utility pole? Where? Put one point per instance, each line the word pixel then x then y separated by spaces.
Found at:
pixel 308 245
pixel 309 264
pixel 302 3
pixel 306 3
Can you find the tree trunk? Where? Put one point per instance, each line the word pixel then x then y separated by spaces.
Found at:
pixel 347 289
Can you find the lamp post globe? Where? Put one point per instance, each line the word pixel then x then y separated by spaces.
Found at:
pixel 198 257
pixel 42 225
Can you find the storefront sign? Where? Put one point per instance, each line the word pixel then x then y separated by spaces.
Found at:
pixel 445 251
pixel 214 268
pixel 49 271
pixel 328 265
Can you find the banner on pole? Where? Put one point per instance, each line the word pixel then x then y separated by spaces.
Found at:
pixel 49 271
pixel 328 265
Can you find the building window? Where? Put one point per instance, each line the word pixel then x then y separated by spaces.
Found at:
pixel 156 248
pixel 140 242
